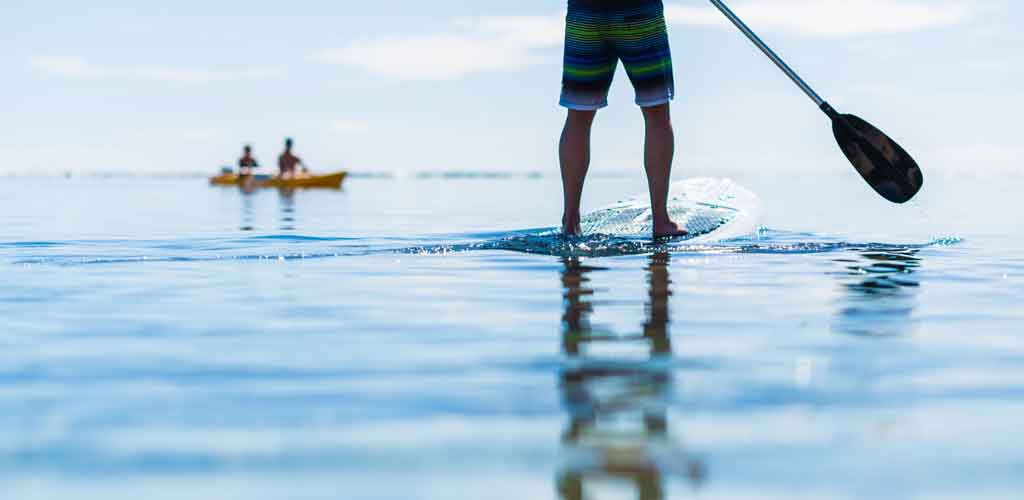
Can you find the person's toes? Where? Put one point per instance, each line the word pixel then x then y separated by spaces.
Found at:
pixel 670 231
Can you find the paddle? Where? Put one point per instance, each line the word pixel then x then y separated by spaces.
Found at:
pixel 880 161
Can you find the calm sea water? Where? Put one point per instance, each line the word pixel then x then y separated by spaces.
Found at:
pixel 165 339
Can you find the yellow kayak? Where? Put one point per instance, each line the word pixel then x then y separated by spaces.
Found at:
pixel 330 181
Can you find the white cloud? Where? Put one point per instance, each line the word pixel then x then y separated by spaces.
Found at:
pixel 349 126
pixel 202 134
pixel 80 68
pixel 430 57
pixel 527 31
pixel 178 75
pixel 474 46
pixel 830 18
pixel 976 159
pixel 491 44
pixel 69 66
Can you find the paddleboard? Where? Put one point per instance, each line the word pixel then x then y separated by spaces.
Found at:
pixel 709 209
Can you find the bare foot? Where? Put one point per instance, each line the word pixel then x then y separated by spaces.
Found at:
pixel 668 229
pixel 571 228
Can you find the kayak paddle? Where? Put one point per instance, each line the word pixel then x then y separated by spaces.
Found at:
pixel 886 166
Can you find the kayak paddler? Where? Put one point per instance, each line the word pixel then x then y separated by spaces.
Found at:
pixel 247 162
pixel 287 162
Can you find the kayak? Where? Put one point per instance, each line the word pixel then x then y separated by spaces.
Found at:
pixel 331 181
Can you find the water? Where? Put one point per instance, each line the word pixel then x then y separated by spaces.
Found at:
pixel 419 337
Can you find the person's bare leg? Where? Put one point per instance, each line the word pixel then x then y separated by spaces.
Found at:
pixel 574 155
pixel 659 149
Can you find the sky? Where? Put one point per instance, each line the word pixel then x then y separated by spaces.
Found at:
pixel 403 85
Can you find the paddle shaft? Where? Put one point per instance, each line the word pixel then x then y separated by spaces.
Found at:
pixel 774 57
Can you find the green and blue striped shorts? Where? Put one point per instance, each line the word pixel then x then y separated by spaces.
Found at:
pixel 599 33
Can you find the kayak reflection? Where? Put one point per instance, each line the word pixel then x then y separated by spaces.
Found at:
pixel 618 426
pixel 879 293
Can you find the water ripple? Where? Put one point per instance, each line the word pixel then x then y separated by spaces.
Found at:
pixel 536 242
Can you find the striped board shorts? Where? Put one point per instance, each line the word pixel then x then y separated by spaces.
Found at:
pixel 599 33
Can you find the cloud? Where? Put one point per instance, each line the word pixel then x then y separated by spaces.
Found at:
pixel 80 68
pixel 492 44
pixel 202 134
pixel 431 57
pixel 349 126
pixel 830 18
pixel 72 67
pixel 979 159
pixel 486 44
pixel 527 31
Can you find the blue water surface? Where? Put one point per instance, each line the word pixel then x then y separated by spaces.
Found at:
pixel 422 337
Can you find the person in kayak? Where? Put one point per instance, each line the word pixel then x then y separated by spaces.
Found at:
pixel 247 162
pixel 598 34
pixel 287 162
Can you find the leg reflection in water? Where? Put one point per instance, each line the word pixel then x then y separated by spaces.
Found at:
pixel 618 428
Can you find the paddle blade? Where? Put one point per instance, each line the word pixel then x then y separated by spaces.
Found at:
pixel 886 166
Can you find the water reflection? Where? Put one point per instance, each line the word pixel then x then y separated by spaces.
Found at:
pixel 286 209
pixel 618 428
pixel 286 204
pixel 248 213
pixel 879 293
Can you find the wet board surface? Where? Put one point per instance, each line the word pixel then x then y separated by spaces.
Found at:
pixel 708 208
